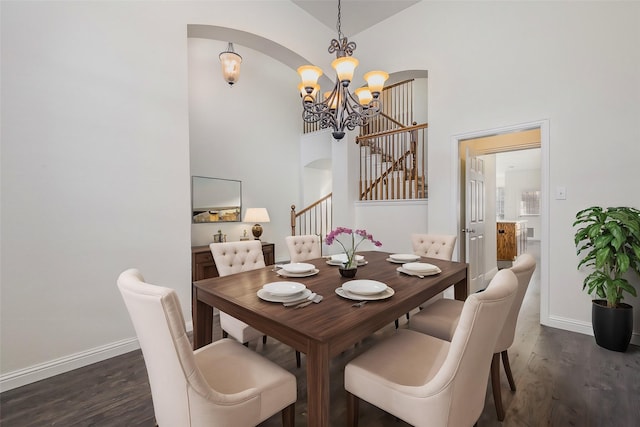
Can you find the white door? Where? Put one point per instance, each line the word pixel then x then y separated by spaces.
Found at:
pixel 475 218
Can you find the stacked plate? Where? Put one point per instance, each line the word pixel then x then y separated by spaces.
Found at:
pixel 360 290
pixel 283 291
pixel 419 269
pixel 298 269
pixel 403 258
pixel 340 259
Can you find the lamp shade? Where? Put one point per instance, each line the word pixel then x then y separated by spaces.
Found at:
pixel 375 80
pixel 364 95
pixel 256 215
pixel 309 75
pixel 345 67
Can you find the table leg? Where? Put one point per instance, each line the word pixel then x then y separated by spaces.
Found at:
pixel 318 395
pixel 461 288
pixel 202 318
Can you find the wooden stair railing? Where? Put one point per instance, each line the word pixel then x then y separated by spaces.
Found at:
pixel 315 219
pixel 404 151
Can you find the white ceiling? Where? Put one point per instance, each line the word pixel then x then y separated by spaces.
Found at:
pixel 356 15
pixel 517 161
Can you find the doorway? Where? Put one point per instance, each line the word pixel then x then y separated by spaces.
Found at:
pixel 473 148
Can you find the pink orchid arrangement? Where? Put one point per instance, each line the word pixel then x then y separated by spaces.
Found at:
pixel 351 252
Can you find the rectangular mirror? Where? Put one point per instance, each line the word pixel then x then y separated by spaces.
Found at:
pixel 215 199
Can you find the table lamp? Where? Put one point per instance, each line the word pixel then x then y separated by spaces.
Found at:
pixel 256 215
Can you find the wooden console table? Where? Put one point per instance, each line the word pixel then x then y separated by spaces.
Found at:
pixel 203 267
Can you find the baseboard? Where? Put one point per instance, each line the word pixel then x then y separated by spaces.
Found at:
pixel 68 363
pixel 64 364
pixel 579 327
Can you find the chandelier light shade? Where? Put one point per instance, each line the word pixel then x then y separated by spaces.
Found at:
pixel 230 62
pixel 339 109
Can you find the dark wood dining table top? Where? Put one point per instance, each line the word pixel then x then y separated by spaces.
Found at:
pixel 334 320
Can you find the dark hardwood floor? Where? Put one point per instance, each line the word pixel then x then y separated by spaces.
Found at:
pixel 563 379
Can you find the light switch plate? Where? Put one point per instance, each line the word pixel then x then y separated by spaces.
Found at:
pixel 561 193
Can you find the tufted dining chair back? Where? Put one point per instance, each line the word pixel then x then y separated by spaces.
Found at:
pixel 434 245
pixel 304 247
pixel 236 257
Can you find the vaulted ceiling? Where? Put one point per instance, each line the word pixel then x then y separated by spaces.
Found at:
pixel 356 16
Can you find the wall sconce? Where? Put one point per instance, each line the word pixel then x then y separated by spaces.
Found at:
pixel 230 61
pixel 256 215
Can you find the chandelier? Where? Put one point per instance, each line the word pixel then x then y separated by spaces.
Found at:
pixel 339 108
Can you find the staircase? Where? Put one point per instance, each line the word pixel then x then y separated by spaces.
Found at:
pixel 393 155
pixel 393 161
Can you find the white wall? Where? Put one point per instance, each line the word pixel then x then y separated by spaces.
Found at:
pixel 392 222
pixel 236 133
pixel 95 174
pixel 496 64
pixel 95 132
pixel 96 167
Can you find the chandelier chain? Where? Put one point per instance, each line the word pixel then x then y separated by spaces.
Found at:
pixel 339 22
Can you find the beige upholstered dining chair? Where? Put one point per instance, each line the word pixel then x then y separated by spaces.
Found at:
pixel 236 257
pixel 304 247
pixel 198 388
pixel 439 246
pixel 231 258
pixel 440 320
pixel 427 381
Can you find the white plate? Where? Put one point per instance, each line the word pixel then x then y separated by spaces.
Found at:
pixel 348 295
pixel 364 287
pixel 421 267
pixel 340 263
pixel 404 257
pixel 342 258
pixel 307 274
pixel 262 294
pixel 284 289
pixel 298 267
pixel 415 273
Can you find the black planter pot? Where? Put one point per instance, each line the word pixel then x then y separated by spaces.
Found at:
pixel 612 327
pixel 348 272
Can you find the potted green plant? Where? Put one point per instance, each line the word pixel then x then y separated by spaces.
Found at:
pixel 608 239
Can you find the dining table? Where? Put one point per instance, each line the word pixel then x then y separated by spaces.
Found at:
pixel 323 330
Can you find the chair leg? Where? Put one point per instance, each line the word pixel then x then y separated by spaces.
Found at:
pixel 225 334
pixel 353 403
pixel 507 370
pixel 298 364
pixel 407 316
pixel 495 385
pixel 264 339
pixel 289 416
pixel 397 324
